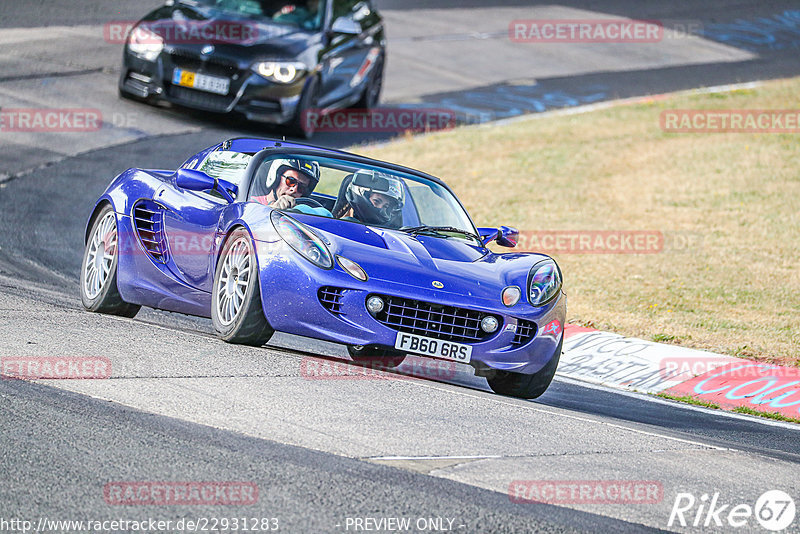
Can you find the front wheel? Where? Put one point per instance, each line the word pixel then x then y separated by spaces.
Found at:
pixel 99 291
pixel 375 357
pixel 525 386
pixel 301 125
pixel 236 310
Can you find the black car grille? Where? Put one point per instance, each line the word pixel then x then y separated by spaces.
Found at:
pixel 213 66
pixel 526 331
pixel 434 320
pixel 148 219
pixel 330 298
pixel 190 97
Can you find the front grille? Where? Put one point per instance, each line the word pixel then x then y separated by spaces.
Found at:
pixel 192 98
pixel 214 66
pixel 434 320
pixel 148 219
pixel 526 330
pixel 330 298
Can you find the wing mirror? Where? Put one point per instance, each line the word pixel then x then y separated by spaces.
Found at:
pixel 200 181
pixel 505 236
pixel 346 25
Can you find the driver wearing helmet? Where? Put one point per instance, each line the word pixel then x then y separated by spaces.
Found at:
pixel 373 198
pixel 290 179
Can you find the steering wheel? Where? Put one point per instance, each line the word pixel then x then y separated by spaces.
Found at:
pixel 308 201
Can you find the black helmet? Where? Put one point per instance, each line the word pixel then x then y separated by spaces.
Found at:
pixel 309 168
pixel 359 194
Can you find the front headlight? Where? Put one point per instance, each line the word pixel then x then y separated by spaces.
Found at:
pixel 280 71
pixel 544 282
pixel 302 240
pixel 145 43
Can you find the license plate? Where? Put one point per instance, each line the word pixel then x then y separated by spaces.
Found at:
pixel 201 82
pixel 433 347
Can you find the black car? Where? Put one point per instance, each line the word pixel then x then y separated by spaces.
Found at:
pixel 269 60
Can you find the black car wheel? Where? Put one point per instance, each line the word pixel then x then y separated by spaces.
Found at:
pixel 236 310
pixel 99 291
pixel 525 386
pixel 300 126
pixel 375 357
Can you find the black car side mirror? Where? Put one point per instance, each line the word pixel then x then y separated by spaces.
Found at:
pixel 346 26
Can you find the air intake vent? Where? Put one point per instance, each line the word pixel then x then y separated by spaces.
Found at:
pixel 148 218
pixel 526 331
pixel 330 298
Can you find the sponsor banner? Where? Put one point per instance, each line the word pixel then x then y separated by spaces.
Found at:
pixel 586 491
pixel 180 493
pixel 758 386
pixel 785 121
pixel 55 368
pixel 585 31
pixel 58 120
pixel 629 363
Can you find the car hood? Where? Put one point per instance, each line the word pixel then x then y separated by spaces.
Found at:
pixel 237 36
pixel 421 261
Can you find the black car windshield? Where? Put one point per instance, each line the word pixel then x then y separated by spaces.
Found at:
pixel 306 14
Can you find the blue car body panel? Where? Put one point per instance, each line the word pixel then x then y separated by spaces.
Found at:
pixel 445 272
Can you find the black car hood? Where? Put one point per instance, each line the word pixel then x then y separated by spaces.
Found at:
pixel 262 38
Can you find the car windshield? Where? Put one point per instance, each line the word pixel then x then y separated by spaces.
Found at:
pixel 362 194
pixel 306 14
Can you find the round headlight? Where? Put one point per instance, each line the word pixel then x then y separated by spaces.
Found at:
pixel 374 304
pixel 489 324
pixel 511 295
pixel 544 282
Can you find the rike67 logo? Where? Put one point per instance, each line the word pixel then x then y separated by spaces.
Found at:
pixel 774 510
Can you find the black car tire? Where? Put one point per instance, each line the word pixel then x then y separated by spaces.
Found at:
pixel 375 357
pixel 372 91
pixel 308 100
pixel 525 386
pixel 249 325
pixel 108 300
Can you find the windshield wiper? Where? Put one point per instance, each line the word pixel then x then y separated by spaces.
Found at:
pixel 414 230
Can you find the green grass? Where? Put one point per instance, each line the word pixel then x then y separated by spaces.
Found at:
pixel 768 415
pixel 689 400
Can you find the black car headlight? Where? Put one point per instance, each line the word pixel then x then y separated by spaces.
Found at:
pixel 145 43
pixel 302 240
pixel 280 71
pixel 544 282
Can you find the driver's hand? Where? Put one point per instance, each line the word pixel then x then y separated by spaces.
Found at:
pixel 284 202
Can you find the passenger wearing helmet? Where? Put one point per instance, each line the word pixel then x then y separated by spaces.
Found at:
pixel 373 198
pixel 287 180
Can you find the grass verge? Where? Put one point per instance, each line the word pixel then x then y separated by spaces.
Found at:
pixel 689 400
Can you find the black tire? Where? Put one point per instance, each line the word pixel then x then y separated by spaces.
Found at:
pixel 107 299
pixel 247 326
pixel 525 386
pixel 308 100
pixel 372 91
pixel 375 357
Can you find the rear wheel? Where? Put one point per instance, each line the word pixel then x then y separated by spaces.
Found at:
pixel 375 357
pixel 525 386
pixel 99 291
pixel 236 310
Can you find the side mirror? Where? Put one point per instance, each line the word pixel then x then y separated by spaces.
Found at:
pixel 505 236
pixel 346 25
pixel 200 181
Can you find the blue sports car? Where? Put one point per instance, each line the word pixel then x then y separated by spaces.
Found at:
pixel 263 235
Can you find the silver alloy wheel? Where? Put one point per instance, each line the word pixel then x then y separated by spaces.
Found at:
pixel 100 257
pixel 233 281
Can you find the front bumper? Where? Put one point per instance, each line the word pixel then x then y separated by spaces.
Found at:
pixel 289 294
pixel 249 95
